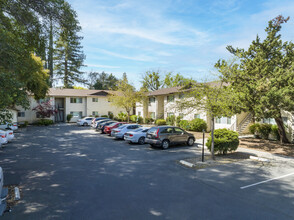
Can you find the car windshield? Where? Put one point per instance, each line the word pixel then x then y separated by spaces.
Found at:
pixel 153 130
pixel 121 127
pixel 112 124
pixel 138 129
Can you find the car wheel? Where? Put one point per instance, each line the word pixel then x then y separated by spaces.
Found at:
pixel 152 145
pixel 85 124
pixel 141 140
pixel 130 142
pixel 165 144
pixel 190 141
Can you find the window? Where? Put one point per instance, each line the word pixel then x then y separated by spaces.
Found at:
pixel 77 114
pixel 179 131
pixel 223 120
pixel 110 113
pixel 196 115
pixel 170 114
pixel 76 100
pixel 21 114
pixel 151 100
pixel 38 115
pixel 152 115
pixel 170 98
pixel 182 95
pixel 269 121
pixel 41 101
pixel 95 113
pixel 285 120
pixel 94 99
pixel 167 131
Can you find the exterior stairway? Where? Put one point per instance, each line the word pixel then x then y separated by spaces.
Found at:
pixel 244 123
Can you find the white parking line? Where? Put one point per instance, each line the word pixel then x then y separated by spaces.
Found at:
pixel 280 177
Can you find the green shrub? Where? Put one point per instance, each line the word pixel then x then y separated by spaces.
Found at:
pixel 116 118
pixel 178 120
pixel 160 122
pixel 110 115
pixel 275 132
pixel 170 120
pixel 69 117
pixel 265 130
pixel 133 118
pixel 122 116
pixel 254 128
pixel 148 120
pixel 23 124
pixel 140 120
pixel 104 116
pixel 225 141
pixel 184 124
pixel 198 124
pixel 45 122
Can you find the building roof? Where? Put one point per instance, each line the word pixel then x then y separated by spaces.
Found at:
pixel 79 92
pixel 177 89
pixel 165 91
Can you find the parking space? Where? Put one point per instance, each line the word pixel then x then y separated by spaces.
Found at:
pixel 71 172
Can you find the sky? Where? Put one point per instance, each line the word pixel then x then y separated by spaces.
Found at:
pixel 179 36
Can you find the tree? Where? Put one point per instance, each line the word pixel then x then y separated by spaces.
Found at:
pixel 263 77
pixel 151 81
pixel 69 56
pixel 176 80
pixel 103 81
pixel 214 98
pixel 126 96
pixel 45 110
pixel 22 41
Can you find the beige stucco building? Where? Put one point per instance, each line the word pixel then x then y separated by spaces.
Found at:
pixel 77 102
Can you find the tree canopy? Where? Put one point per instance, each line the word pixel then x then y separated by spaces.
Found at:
pixel 103 81
pixel 263 76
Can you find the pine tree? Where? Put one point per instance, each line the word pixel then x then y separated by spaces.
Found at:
pixel 69 56
pixel 264 77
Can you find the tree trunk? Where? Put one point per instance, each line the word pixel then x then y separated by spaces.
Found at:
pixel 128 113
pixel 66 84
pixel 281 130
pixel 50 54
pixel 212 137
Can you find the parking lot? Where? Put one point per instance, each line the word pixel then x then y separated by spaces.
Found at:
pixel 71 172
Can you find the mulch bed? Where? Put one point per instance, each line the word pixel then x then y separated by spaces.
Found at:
pixel 274 147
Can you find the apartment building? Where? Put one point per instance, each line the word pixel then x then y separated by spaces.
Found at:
pixel 77 102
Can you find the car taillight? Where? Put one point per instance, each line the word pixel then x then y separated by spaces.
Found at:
pixel 157 136
pixel 10 133
pixel 3 136
pixel 131 135
pixel 14 125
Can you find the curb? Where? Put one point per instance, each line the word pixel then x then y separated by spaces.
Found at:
pixel 185 163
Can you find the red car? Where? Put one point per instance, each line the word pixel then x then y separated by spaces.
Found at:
pixel 107 129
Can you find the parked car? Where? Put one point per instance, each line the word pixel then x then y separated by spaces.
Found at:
pixel 3 138
pixel 120 132
pixel 9 126
pixel 100 122
pixel 9 134
pixel 95 120
pixel 137 136
pixel 164 136
pixel 101 126
pixel 85 121
pixel 108 128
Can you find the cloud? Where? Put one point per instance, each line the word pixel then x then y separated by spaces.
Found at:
pixel 136 58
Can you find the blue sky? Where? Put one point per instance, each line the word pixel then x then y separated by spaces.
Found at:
pixel 179 36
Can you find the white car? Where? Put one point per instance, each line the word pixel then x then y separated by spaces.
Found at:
pixel 9 134
pixel 9 126
pixel 120 132
pixel 136 136
pixel 85 121
pixel 3 138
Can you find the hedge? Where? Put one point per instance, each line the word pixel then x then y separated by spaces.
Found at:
pixel 198 124
pixel 160 122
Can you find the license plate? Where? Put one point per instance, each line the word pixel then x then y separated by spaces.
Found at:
pixel 148 136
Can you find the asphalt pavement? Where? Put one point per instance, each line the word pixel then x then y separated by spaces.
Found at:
pixel 70 172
